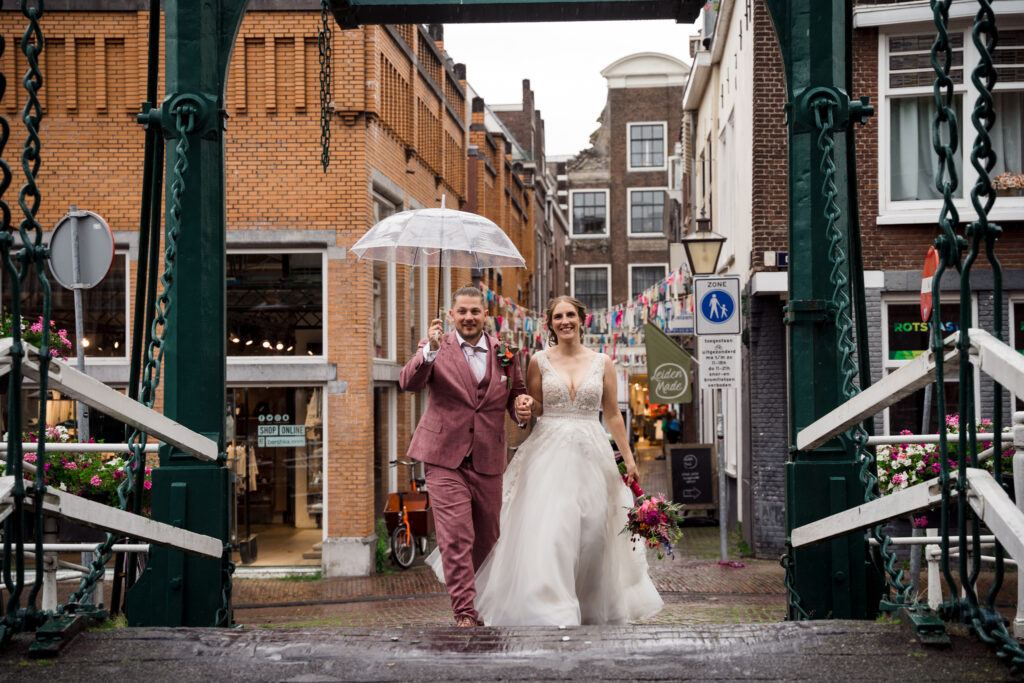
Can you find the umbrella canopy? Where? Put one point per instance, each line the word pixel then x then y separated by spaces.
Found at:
pixel 439 237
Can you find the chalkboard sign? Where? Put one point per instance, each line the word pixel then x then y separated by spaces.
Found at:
pixel 693 475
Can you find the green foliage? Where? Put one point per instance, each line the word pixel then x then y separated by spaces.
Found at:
pixel 382 546
pixel 315 576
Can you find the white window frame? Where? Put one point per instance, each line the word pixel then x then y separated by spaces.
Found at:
pixel 592 266
pixel 890 366
pixel 392 317
pixel 259 360
pixel 629 211
pixel 607 211
pixel 891 212
pixel 633 294
pixel 629 146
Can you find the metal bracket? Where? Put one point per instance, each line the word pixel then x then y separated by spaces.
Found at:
pixel 808 310
pixel 58 632
pixel 847 110
pixel 209 120
pixel 925 624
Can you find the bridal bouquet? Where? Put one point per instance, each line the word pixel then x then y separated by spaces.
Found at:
pixel 655 521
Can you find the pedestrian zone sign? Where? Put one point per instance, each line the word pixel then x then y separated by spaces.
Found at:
pixel 716 304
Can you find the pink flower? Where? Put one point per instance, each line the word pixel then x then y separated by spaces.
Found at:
pixel 147 485
pixel 71 465
pixel 96 481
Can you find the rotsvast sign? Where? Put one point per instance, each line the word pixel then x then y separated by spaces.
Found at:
pixel 669 368
pixel 717 304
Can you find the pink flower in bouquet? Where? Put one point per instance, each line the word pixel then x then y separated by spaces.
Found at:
pixel 96 481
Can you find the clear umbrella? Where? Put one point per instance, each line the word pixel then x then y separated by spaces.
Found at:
pixel 439 237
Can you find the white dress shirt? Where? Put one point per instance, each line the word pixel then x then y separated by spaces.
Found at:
pixel 476 354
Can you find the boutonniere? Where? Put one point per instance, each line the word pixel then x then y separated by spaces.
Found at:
pixel 507 354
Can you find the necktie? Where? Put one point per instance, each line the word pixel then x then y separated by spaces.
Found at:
pixel 473 358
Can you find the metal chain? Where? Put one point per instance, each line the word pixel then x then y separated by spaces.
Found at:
pixel 34 255
pixel 324 43
pixel 185 119
pixel 793 598
pixel 824 119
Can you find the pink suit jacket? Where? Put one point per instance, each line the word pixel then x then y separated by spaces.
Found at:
pixel 456 423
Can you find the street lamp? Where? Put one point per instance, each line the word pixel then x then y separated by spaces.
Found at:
pixel 703 247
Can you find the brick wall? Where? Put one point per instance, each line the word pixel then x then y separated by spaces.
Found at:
pixel 770 205
pixel 391 121
pixel 769 424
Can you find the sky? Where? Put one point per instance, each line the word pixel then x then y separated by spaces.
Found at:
pixel 563 62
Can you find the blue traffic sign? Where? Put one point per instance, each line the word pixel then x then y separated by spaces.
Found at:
pixel 717 306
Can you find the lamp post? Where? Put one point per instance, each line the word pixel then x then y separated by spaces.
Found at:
pixel 703 247
pixel 702 250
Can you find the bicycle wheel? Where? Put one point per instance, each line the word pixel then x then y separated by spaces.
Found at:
pixel 402 551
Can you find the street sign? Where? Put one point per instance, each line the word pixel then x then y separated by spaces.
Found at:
pixel 679 323
pixel 719 362
pixel 94 250
pixel 931 264
pixel 716 304
pixel 668 368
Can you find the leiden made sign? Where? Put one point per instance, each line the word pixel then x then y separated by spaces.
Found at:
pixel 669 368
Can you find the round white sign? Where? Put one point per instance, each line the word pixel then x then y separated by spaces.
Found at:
pixel 95 250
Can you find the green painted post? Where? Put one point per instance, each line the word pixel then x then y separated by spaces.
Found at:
pixel 178 589
pixel 831 580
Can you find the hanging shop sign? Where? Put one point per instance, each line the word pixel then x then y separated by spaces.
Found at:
pixel 669 368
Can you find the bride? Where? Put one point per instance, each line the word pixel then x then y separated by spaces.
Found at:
pixel 560 559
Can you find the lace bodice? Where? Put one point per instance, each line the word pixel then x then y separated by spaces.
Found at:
pixel 558 402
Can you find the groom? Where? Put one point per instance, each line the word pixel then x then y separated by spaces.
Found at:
pixel 461 439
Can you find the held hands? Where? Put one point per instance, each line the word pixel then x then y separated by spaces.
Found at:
pixel 524 408
pixel 434 333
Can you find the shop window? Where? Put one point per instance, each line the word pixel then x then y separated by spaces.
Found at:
pixel 645 277
pixel 589 213
pixel 591 285
pixel 275 446
pixel 275 304
pixel 104 311
pixel 904 338
pixel 906 117
pixel 646 146
pixel 646 213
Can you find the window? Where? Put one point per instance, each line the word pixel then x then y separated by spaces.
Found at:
pixel 904 337
pixel 591 285
pixel 275 304
pixel 908 162
pixel 645 277
pixel 104 311
pixel 646 146
pixel 384 276
pixel 589 213
pixel 647 213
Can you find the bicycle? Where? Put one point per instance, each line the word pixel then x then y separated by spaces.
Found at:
pixel 409 520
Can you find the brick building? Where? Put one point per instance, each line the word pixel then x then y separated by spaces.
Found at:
pixel 315 338
pixel 551 229
pixel 738 169
pixel 621 215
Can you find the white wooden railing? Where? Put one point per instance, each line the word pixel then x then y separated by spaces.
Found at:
pixel 985 496
pixel 60 504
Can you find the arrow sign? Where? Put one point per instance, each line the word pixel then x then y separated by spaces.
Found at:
pixel 691 493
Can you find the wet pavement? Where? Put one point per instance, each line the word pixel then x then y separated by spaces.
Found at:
pixel 718 623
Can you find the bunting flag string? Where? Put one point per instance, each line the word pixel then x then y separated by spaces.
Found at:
pixel 615 331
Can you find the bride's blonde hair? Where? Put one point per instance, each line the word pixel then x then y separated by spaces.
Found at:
pixel 581 313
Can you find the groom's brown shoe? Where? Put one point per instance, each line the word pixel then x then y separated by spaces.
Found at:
pixel 466 621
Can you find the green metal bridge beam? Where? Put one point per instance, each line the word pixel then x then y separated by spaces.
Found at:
pixel 834 579
pixel 175 589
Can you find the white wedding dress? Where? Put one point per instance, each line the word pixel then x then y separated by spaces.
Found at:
pixel 560 559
